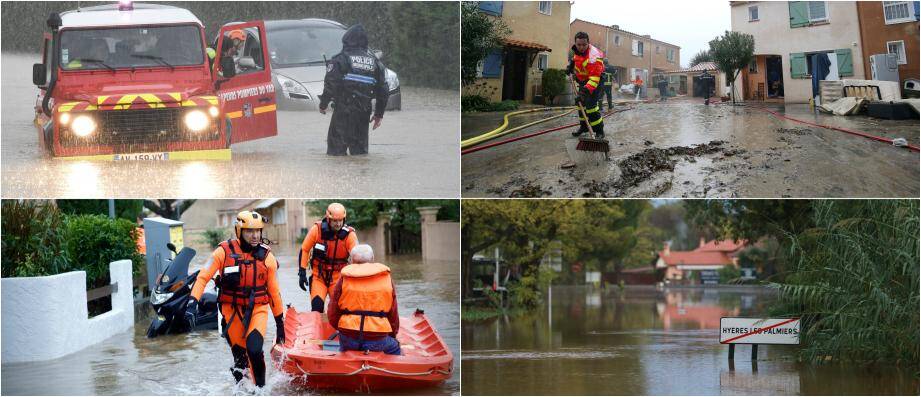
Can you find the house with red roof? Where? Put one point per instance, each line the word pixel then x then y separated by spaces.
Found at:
pixel 701 265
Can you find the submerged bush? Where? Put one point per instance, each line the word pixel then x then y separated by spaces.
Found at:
pixel 855 280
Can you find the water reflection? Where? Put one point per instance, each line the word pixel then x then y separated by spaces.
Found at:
pixel 645 341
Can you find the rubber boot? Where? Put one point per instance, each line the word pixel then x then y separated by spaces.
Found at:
pixel 240 364
pixel 256 358
pixel 599 131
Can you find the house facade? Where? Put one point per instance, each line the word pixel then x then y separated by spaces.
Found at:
pixel 630 53
pixel 788 37
pixel 701 265
pixel 891 27
pixel 539 40
pixel 687 81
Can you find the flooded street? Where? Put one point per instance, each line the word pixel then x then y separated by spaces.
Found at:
pixel 292 164
pixel 681 148
pixel 647 342
pixel 197 363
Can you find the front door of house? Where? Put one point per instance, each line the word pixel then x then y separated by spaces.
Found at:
pixel 515 75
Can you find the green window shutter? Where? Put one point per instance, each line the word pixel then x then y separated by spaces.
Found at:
pixel 798 13
pixel 798 65
pixel 845 63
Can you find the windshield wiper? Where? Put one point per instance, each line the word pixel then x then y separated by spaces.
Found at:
pixel 155 58
pixel 99 62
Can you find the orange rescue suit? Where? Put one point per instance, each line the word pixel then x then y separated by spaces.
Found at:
pixel 230 261
pixel 365 300
pixel 588 67
pixel 327 252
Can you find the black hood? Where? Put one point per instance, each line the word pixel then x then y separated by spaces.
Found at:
pixel 355 37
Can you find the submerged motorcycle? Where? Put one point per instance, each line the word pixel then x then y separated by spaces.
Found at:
pixel 171 295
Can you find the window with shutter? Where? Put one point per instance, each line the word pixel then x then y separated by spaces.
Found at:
pixel 799 14
pixel 845 63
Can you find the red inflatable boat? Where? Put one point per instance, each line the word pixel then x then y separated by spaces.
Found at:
pixel 311 355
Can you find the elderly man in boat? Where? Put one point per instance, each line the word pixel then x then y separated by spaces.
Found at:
pixel 363 305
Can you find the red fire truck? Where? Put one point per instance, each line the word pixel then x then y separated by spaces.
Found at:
pixel 138 82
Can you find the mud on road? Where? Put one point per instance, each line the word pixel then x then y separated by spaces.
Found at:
pixel 292 164
pixel 682 148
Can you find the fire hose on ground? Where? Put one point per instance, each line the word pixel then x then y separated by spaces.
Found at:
pixel 531 135
pixel 833 128
pixel 502 128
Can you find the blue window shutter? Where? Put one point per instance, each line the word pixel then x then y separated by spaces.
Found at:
pixel 491 7
pixel 845 63
pixel 916 9
pixel 492 65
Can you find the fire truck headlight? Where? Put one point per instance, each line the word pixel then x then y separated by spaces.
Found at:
pixel 64 118
pixel 83 126
pixel 213 111
pixel 196 120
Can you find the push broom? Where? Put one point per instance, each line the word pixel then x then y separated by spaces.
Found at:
pixel 591 143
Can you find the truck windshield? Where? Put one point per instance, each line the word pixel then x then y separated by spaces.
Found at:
pixel 304 45
pixel 166 46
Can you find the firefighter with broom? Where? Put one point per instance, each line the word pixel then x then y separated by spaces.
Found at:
pixel 586 67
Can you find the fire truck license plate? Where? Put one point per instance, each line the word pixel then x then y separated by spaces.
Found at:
pixel 161 156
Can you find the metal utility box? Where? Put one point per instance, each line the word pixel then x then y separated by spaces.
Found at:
pixel 158 232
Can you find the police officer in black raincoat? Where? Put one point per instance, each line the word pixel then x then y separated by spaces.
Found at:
pixel 354 77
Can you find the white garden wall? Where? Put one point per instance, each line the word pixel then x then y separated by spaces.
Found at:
pixel 46 317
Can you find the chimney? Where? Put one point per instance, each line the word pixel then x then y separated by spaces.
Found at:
pixel 702 242
pixel 666 249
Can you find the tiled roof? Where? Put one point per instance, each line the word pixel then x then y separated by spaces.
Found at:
pixel 723 246
pixel 526 44
pixel 700 67
pixel 695 258
pixel 639 36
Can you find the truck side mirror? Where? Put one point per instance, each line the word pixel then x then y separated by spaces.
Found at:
pixel 39 74
pixel 228 67
pixel 171 247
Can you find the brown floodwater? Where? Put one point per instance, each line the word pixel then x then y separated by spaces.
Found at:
pixel 292 164
pixel 644 341
pixel 197 363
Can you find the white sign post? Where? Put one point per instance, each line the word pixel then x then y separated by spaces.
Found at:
pixel 755 331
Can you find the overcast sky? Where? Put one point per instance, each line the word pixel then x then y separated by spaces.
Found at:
pixel 688 24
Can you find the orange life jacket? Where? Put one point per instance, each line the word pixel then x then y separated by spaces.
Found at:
pixel 589 67
pixel 330 254
pixel 366 298
pixel 243 277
